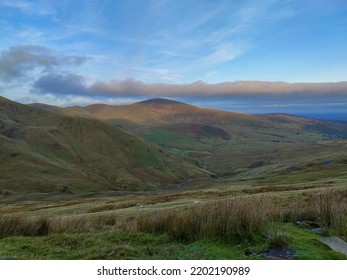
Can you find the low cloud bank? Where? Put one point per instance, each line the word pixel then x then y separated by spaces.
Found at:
pixel 72 84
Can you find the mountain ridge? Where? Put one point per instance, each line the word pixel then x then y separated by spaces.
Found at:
pixel 221 141
pixel 44 151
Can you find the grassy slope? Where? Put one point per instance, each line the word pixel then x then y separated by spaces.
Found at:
pixel 43 151
pixel 124 245
pixel 260 148
pixel 238 146
pixel 104 234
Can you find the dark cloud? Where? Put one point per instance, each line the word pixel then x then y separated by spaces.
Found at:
pixel 71 84
pixel 17 61
pixel 61 84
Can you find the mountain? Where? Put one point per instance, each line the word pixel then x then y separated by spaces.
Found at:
pixel 159 111
pixel 152 111
pixel 42 151
pixel 240 146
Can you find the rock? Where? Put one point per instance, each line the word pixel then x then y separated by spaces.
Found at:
pixel 279 254
pixel 312 224
pixel 307 224
pixel 335 243
pixel 317 230
pixel 329 162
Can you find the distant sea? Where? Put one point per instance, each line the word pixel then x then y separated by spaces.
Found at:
pixel 327 116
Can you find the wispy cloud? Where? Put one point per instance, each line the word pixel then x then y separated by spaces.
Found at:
pixel 203 17
pixel 21 5
pixel 225 33
pixel 224 53
pixel 155 46
pixel 29 7
pixel 170 44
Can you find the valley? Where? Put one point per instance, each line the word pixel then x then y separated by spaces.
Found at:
pixel 118 179
pixel 236 146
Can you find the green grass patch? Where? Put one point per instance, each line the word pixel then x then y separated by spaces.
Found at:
pixel 93 245
pixel 116 245
pixel 307 245
pixel 106 244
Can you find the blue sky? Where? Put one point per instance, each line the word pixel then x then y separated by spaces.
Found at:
pixel 78 52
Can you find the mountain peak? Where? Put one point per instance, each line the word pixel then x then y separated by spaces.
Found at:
pixel 162 101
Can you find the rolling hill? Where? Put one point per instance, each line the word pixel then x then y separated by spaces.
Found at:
pixel 230 145
pixel 42 151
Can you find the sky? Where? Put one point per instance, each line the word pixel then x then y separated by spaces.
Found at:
pixel 246 56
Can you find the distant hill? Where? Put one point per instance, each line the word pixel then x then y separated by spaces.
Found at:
pixel 240 146
pixel 42 151
pixel 160 110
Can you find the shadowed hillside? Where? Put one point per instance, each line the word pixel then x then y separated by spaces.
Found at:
pixel 43 151
pixel 232 145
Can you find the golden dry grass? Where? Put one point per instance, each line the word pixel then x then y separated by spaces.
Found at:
pixel 227 219
pixel 15 225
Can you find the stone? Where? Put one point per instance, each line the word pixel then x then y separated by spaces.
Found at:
pixel 335 243
pixel 283 253
pixel 307 224
pixel 312 224
pixel 317 230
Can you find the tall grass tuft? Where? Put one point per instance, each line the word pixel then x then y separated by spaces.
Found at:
pixel 17 225
pixel 327 208
pixel 14 225
pixel 332 211
pixel 242 218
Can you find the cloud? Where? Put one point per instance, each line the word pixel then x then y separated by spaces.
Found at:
pixel 17 62
pixel 223 53
pixel 21 5
pixel 72 84
pixel 62 84
pixel 43 8
pixel 65 101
